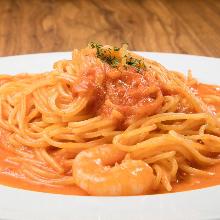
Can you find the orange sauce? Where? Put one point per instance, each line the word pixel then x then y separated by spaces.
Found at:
pixel 124 90
pixel 10 176
pixel 198 182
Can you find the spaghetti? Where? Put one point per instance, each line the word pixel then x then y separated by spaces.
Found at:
pixel 109 122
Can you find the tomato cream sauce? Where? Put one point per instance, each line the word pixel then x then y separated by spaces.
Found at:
pixel 11 176
pixel 123 90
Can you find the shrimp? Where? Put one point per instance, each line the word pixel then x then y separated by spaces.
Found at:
pixel 96 170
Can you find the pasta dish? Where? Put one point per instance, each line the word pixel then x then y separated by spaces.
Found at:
pixel 108 123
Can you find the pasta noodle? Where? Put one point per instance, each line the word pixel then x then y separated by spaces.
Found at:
pixel 107 96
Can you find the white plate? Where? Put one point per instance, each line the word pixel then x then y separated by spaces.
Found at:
pixel 28 205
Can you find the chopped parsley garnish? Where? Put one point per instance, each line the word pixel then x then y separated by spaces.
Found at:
pixel 115 62
pixel 112 56
pixel 95 45
pixel 138 64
